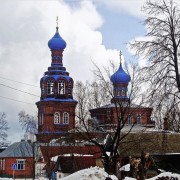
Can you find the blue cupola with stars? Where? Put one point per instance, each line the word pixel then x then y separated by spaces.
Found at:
pixel 120 80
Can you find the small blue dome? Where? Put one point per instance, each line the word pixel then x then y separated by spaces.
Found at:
pixel 56 42
pixel 120 76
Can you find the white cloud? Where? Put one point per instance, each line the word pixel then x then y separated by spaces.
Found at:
pixel 132 7
pixel 25 56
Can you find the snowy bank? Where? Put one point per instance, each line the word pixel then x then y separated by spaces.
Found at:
pixel 165 174
pixel 93 173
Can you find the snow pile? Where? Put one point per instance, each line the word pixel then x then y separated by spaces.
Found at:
pixel 167 175
pixel 93 173
pixel 125 168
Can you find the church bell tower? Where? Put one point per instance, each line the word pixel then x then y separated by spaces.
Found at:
pixel 56 108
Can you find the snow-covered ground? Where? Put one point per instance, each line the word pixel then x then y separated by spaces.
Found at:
pixel 93 173
pixel 165 174
pixel 96 173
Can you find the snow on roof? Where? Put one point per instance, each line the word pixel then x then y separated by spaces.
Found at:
pixel 125 105
pixel 94 173
pixel 18 149
pixel 54 158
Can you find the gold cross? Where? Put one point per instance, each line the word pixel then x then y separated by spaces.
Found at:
pixel 120 55
pixel 57 21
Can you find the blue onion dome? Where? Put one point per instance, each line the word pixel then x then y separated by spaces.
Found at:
pixel 56 42
pixel 120 76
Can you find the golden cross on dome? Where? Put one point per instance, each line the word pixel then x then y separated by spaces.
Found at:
pixel 57 20
pixel 120 55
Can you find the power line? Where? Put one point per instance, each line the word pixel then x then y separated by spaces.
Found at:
pixel 18 90
pixel 16 100
pixel 18 82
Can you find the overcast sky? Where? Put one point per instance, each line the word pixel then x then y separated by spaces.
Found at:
pixel 93 29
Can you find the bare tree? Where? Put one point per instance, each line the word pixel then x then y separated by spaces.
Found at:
pixel 89 95
pixel 103 86
pixel 28 122
pixel 81 94
pixel 3 127
pixel 161 49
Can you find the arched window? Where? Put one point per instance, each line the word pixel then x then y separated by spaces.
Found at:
pixel 123 92
pixel 130 119
pixel 50 87
pixel 41 118
pixel 42 89
pixel 61 87
pixel 139 119
pixel 70 88
pixel 65 118
pixel 56 118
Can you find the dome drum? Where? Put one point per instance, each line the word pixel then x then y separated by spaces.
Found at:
pixel 59 88
pixel 57 68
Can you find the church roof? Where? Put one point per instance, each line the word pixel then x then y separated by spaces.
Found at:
pixel 112 105
pixel 120 76
pixel 56 42
pixel 18 149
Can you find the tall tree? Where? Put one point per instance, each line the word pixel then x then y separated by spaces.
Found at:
pixel 89 95
pixel 161 49
pixel 28 122
pixel 3 127
pixel 100 93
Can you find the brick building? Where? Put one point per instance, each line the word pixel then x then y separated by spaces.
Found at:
pixel 121 107
pixel 56 112
pixel 56 108
pixel 17 160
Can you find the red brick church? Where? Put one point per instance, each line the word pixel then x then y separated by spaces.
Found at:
pixel 56 108
pixel 121 107
pixel 56 117
pixel 56 111
pixel 56 134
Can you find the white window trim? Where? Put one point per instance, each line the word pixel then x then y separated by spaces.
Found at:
pixel 41 118
pixel 24 162
pixel 70 88
pixel 57 121
pixel 2 164
pixel 42 89
pixel 139 122
pixel 130 119
pixel 50 87
pixel 61 87
pixel 65 118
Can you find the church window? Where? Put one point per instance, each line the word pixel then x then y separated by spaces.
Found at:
pixel 130 119
pixel 20 164
pixel 70 88
pixel 61 87
pixel 50 87
pixel 139 119
pixel 42 89
pixel 123 92
pixel 65 118
pixel 56 118
pixel 41 118
pixel 2 164
pixel 108 114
